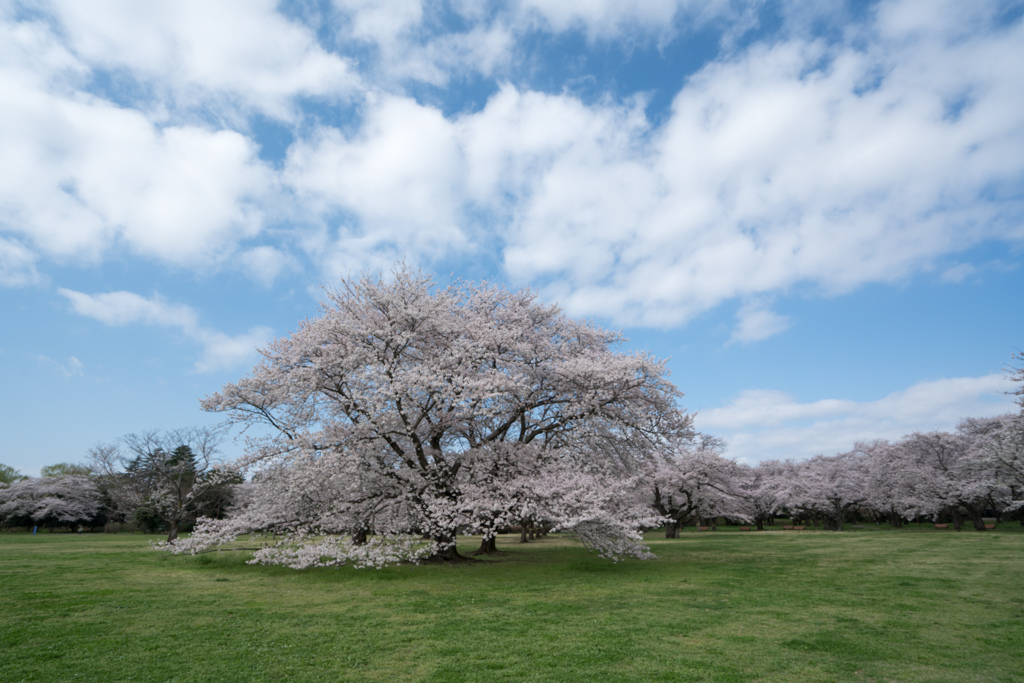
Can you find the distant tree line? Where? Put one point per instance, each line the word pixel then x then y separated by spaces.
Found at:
pixel 960 477
pixel 151 481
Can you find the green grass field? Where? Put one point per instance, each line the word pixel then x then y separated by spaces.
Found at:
pixel 786 606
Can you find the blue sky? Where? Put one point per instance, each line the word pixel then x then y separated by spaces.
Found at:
pixel 814 209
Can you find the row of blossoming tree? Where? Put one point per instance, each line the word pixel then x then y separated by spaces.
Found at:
pixel 406 414
pixel 959 476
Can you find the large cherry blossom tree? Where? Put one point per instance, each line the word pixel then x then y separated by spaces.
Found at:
pixel 406 408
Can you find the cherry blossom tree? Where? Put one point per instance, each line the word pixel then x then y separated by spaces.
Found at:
pixel 691 480
pixel 951 477
pixel 50 500
pixel 405 408
pixel 995 458
pixel 763 492
pixel 1002 449
pixel 893 482
pixel 826 487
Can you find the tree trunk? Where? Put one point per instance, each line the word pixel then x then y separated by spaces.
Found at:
pixel 522 533
pixel 958 521
pixel 488 546
pixel 446 550
pixel 840 512
pixel 895 520
pixel 446 554
pixel 975 513
pixel 672 529
pixel 172 532
pixel 359 536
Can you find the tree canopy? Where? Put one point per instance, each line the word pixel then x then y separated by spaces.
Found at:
pixel 405 408
pixel 9 475
pixel 65 469
pixel 166 478
pixel 50 500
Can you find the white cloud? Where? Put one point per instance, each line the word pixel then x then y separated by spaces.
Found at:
pixel 790 163
pixel 265 264
pixel 958 273
pixel 408 46
pixel 224 351
pixel 125 308
pixel 568 179
pixel 615 19
pixel 73 368
pixel 756 322
pixel 203 53
pixel 381 23
pixel 17 264
pixel 761 424
pixel 395 184
pixel 796 162
pixel 80 174
pixel 481 50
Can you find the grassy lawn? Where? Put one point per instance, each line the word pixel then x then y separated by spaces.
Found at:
pixel 788 606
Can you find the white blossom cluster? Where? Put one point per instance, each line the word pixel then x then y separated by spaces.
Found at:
pixel 65 499
pixel 978 468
